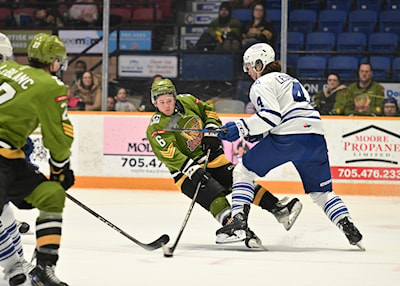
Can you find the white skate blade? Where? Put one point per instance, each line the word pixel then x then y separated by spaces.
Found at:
pixel 255 243
pixel 239 235
pixel 360 246
pixel 289 221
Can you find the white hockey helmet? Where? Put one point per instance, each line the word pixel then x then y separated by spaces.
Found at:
pixel 6 49
pixel 258 54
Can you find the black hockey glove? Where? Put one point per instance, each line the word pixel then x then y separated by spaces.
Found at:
pixel 62 174
pixel 211 141
pixel 198 175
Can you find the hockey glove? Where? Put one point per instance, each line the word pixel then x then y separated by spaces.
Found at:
pixel 198 175
pixel 211 141
pixel 62 174
pixel 235 130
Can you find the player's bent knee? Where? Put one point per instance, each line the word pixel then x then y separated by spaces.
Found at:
pixel 321 198
pixel 49 196
pixel 242 174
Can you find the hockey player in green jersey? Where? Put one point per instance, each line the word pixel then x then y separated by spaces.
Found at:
pixel 29 96
pixel 184 152
pixel 12 258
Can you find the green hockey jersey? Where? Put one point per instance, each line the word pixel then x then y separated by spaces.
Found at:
pixel 29 97
pixel 177 150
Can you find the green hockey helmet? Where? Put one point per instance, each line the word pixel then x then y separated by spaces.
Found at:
pixel 161 87
pixel 45 49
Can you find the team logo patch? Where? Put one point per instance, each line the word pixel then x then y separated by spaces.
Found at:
pixel 194 137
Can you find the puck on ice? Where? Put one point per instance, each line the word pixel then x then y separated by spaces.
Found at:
pixel 168 254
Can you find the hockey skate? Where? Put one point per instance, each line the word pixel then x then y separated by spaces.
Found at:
pixel 351 232
pixel 28 267
pixel 287 214
pixel 234 231
pixel 15 275
pixel 252 240
pixel 43 275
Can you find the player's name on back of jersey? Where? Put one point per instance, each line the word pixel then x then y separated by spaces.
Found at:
pixel 22 79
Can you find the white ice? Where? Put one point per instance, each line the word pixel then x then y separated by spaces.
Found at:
pixel 313 252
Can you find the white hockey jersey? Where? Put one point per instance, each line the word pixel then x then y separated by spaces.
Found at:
pixel 282 107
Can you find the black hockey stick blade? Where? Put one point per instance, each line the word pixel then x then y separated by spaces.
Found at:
pixel 159 242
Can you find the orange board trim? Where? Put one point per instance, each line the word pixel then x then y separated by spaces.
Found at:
pixel 167 184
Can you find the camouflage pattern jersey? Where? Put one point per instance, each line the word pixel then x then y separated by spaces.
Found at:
pixel 29 97
pixel 176 149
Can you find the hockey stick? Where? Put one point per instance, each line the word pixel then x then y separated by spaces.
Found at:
pixel 168 251
pixel 175 129
pixel 150 246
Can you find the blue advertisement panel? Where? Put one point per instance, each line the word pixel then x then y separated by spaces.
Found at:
pixel 78 40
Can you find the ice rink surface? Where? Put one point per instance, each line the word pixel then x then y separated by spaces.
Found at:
pixel 313 252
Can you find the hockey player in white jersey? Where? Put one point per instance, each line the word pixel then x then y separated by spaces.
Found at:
pixel 288 129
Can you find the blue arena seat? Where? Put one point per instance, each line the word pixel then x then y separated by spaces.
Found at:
pixel 345 66
pixel 320 41
pixel 396 69
pixel 295 42
pixel 302 20
pixel 274 15
pixel 351 42
pixel 392 4
pixel 243 15
pixel 364 21
pixel 311 66
pixel 344 5
pixel 333 21
pixel 389 21
pixel 383 42
pixel 375 5
pixel 207 66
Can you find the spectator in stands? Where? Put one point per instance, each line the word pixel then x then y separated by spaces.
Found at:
pixel 110 103
pixel 325 99
pixel 223 33
pixel 364 97
pixel 88 88
pixel 390 107
pixel 259 30
pixel 80 67
pixel 121 101
pixel 48 17
pixel 146 104
pixel 85 15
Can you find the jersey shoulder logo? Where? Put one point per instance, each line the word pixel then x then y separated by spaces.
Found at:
pixel 155 119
